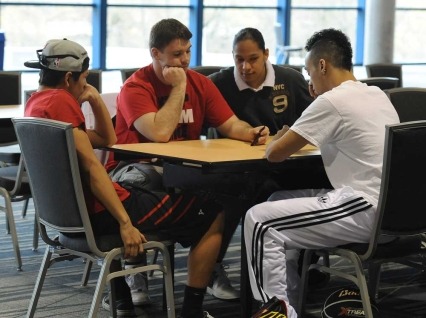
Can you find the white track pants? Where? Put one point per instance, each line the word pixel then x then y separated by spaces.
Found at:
pixel 275 231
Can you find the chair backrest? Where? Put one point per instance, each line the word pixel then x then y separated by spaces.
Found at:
pixel 207 70
pixel 27 94
pixel 52 166
pixel 110 100
pixel 401 205
pixel 409 102
pixel 385 70
pixel 10 88
pixel 95 79
pixel 9 148
pixel 381 82
pixel 127 72
pixel 298 68
pixel 7 133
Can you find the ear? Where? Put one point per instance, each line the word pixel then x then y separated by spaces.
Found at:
pixel 266 54
pixel 323 65
pixel 68 77
pixel 155 53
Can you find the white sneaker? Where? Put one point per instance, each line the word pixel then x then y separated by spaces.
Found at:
pixel 221 287
pixel 138 284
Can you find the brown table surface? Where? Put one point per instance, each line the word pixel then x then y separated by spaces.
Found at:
pixel 10 111
pixel 212 154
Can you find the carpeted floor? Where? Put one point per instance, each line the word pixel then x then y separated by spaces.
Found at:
pixel 402 289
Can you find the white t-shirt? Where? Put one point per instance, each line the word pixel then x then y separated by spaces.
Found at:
pixel 348 125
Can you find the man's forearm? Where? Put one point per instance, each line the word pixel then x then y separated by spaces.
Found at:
pixel 159 126
pixel 240 130
pixel 167 118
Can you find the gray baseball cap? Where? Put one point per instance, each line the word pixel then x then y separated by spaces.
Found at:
pixel 60 55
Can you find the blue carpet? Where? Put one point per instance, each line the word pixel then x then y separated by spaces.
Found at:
pixel 402 289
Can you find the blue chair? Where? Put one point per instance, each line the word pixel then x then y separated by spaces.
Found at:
pixel 400 221
pixel 49 151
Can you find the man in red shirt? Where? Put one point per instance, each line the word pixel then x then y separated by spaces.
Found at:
pixel 167 101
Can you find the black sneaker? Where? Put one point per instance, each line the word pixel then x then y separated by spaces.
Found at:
pixel 124 307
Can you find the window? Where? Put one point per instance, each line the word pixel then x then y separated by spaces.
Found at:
pixel 309 16
pixel 128 33
pixel 28 27
pixel 125 29
pixel 221 25
pixel 409 36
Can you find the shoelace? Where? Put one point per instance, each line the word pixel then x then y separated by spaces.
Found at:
pixel 222 275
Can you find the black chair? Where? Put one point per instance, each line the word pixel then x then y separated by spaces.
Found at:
pixel 385 70
pixel 27 94
pixel 110 100
pixel 409 102
pixel 11 154
pixel 400 218
pixel 381 82
pixel 14 186
pixel 298 68
pixel 10 94
pixel 207 70
pixel 127 72
pixel 10 88
pixel 48 148
pixel 95 79
pixel 209 132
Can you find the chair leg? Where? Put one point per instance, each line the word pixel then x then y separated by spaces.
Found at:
pixel 25 207
pixel 154 261
pixel 362 285
pixel 374 279
pixel 39 282
pixel 246 294
pixel 10 222
pixel 35 234
pixel 107 274
pixel 100 286
pixel 168 259
pixel 86 273
pixel 304 281
pixel 7 225
pixel 171 251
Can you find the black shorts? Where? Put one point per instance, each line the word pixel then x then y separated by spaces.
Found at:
pixel 184 217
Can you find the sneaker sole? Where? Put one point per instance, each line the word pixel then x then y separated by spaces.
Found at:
pixel 142 303
pixel 211 292
pixel 141 299
pixel 120 313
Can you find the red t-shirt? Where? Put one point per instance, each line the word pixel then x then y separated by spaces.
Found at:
pixel 144 93
pixel 59 104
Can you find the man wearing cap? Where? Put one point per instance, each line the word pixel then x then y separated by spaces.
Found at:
pixel 114 209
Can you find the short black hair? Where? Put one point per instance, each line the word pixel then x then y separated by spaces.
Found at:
pixel 167 30
pixel 332 45
pixel 52 78
pixel 250 34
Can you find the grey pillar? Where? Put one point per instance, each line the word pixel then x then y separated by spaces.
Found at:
pixel 379 32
